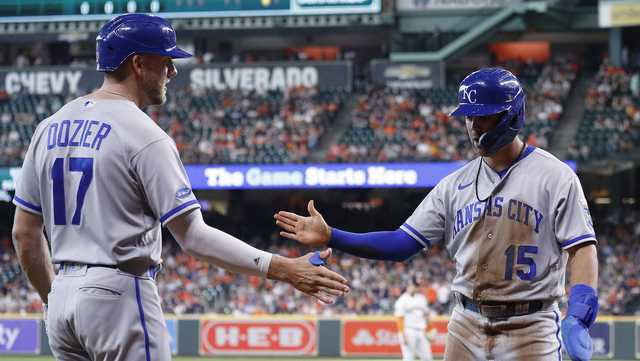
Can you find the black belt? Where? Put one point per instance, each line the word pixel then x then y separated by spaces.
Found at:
pixel 502 310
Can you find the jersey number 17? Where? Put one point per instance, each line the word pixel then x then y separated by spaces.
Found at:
pixel 83 165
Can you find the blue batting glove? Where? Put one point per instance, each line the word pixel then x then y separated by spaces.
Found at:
pixel 316 260
pixel 576 338
pixel 582 312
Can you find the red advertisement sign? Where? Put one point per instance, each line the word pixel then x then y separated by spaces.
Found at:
pixel 258 337
pixel 362 337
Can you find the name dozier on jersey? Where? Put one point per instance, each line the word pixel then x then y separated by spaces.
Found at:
pixel 77 133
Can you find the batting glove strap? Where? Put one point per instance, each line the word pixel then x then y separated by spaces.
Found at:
pixel 583 304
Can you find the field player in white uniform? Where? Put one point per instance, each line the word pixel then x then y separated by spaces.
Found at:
pixel 102 178
pixel 413 312
pixel 514 220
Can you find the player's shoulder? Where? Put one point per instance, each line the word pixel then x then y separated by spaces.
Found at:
pixel 133 126
pixel 550 164
pixel 44 123
pixel 466 173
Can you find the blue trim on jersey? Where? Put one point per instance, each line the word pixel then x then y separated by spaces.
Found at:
pixel 418 234
pixel 144 325
pixel 177 209
pixel 524 154
pixel 558 335
pixel 31 206
pixel 574 240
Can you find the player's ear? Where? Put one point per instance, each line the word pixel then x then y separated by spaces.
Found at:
pixel 136 64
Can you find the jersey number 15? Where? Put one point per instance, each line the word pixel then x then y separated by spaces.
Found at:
pixel 83 165
pixel 523 259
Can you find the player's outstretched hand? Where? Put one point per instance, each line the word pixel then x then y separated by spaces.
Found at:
pixel 310 279
pixel 312 230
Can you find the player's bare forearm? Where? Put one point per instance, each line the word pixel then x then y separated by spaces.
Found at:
pixel 583 265
pixel 33 251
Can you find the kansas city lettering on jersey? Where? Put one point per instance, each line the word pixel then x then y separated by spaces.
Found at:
pixel 77 133
pixel 515 210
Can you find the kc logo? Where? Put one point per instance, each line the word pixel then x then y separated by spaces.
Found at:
pixel 469 95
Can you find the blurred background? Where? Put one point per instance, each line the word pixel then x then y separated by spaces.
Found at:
pixel 345 102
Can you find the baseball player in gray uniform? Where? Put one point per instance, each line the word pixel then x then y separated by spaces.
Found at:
pixel 101 178
pixel 514 220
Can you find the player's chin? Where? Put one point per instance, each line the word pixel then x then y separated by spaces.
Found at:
pixel 159 98
pixel 481 151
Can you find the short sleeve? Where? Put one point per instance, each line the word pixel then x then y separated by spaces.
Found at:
pixel 573 224
pixel 164 180
pixel 27 194
pixel 426 224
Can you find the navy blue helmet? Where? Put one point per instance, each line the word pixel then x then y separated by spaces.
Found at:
pixel 130 34
pixel 491 91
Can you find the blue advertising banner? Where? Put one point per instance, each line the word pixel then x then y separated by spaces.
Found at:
pixel 172 326
pixel 19 336
pixel 367 175
pixel 602 337
pixel 345 175
pixel 300 176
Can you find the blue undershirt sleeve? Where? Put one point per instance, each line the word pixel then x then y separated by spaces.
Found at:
pixel 384 245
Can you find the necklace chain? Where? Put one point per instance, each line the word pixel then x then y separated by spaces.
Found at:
pixel 524 146
pixel 114 93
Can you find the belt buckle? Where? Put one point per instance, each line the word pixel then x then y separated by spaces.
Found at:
pixel 521 308
pixel 492 311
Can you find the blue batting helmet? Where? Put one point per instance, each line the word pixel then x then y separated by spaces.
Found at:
pixel 491 91
pixel 130 34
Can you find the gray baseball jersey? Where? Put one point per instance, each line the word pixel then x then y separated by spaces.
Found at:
pixel 104 177
pixel 509 247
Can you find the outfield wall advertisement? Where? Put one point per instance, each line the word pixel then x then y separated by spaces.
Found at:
pixel 380 338
pixel 19 336
pixel 602 336
pixel 258 337
pixel 259 77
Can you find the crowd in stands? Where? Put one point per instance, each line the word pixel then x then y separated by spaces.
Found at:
pixel 413 125
pixel 188 286
pixel 247 127
pixel 611 123
pixel 207 126
pixel 387 125
pixel 403 125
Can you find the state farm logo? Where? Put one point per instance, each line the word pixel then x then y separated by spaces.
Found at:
pixel 269 337
pixel 365 337
pixel 370 337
